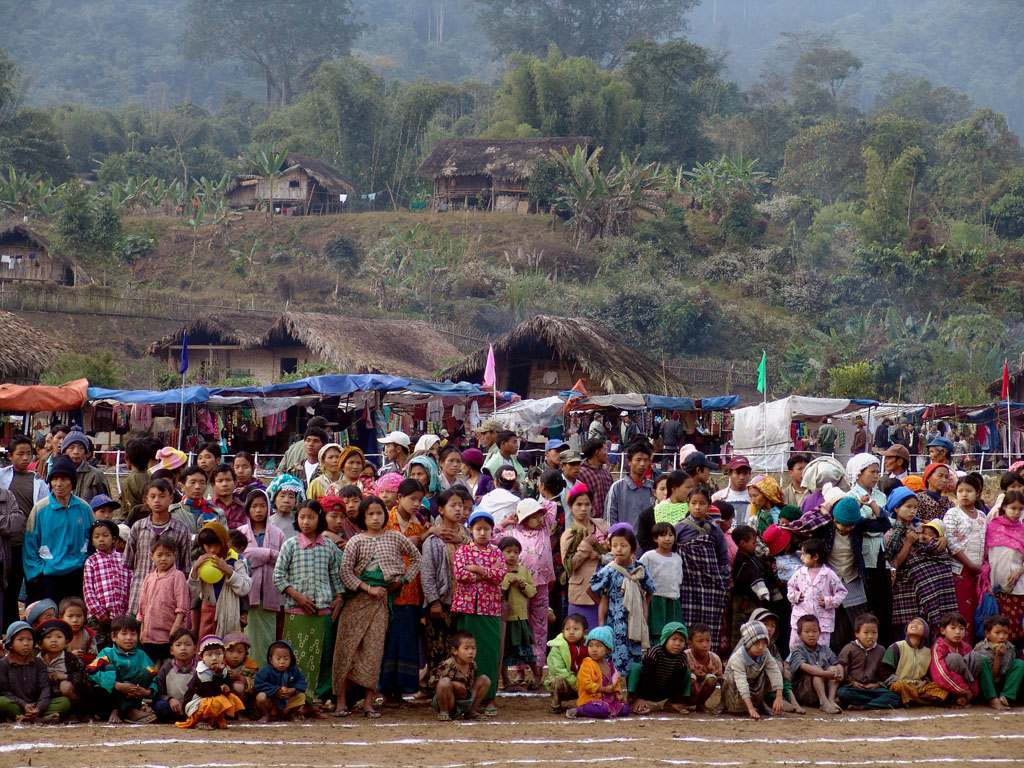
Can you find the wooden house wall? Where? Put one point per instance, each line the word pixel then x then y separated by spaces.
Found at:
pixel 28 261
pixel 264 365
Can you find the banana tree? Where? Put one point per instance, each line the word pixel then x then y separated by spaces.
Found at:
pixel 270 165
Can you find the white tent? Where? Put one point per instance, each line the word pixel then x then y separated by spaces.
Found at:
pixel 530 416
pixel 761 432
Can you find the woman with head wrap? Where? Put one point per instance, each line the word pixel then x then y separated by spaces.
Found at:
pixel 862 471
pixel 424 469
pixel 766 499
pixel 822 470
pixel 351 464
pixel 923 579
pixel 931 503
pixel 328 471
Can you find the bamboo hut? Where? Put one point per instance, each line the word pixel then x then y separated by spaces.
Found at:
pixel 491 173
pixel 267 347
pixel 547 355
pixel 25 256
pixel 27 352
pixel 310 187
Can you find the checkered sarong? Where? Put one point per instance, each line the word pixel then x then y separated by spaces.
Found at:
pixel 702 593
pixel 923 587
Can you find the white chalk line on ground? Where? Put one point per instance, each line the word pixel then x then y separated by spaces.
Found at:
pixel 576 760
pixel 27 746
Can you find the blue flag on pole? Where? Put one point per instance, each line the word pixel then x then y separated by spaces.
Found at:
pixel 184 353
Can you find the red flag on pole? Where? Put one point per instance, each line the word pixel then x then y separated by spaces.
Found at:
pixel 1006 381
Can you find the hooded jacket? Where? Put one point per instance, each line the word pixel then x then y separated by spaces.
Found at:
pixel 269 680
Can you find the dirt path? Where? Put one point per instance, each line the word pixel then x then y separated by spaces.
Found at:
pixel 525 734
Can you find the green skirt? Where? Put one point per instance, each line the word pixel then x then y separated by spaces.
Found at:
pixel 486 631
pixel 323 690
pixel 306 635
pixel 261 631
pixel 662 611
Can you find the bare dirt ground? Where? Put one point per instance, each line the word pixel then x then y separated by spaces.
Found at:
pixel 525 733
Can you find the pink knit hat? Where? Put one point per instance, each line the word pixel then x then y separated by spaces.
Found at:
pixel 776 539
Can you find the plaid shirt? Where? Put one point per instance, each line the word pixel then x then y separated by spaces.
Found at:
pixel 384 551
pixel 599 481
pixel 314 571
pixel 106 583
pixel 140 544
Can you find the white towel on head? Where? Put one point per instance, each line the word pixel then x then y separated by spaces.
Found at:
pixel 857 464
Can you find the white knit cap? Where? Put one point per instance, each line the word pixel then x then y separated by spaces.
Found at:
pixel 857 464
pixel 832 494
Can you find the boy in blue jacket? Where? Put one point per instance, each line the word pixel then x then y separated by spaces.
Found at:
pixel 280 686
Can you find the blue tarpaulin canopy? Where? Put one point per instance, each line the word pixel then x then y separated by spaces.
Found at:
pixel 661 403
pixel 151 397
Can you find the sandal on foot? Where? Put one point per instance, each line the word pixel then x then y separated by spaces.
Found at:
pixel 444 717
pixel 642 709
pixel 342 712
pixel 571 713
pixel 491 711
pixel 373 714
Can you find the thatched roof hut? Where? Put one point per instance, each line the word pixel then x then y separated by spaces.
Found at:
pixel 27 352
pixel 548 354
pixel 312 186
pixel 266 346
pixel 25 255
pixel 497 171
pixel 237 329
pixel 393 347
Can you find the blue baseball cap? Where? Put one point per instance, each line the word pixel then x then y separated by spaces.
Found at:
pixel 480 515
pixel 102 500
pixel 942 442
pixel 555 445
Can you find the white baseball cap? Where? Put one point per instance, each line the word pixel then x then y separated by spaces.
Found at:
pixel 398 438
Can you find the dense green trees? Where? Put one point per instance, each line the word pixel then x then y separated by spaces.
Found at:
pixel 600 29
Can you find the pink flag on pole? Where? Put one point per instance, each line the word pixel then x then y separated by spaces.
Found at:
pixel 490 376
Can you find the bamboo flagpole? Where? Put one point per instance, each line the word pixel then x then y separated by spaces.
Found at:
pixel 762 387
pixel 182 369
pixel 1006 399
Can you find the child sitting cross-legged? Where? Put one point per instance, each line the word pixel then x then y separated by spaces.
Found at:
pixel 280 686
pixel 662 674
pixel 955 666
pixel 600 686
pixel 209 700
pixel 815 670
pixel 25 694
pixel 124 675
pixel 175 676
pixel 66 671
pixel 1001 672
pixel 751 674
pixel 907 662
pixel 861 660
pixel 568 651
pixel 705 667
pixel 458 690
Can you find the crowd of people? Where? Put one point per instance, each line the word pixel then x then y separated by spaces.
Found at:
pixel 201 596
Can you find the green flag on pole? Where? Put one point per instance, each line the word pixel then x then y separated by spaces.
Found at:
pixel 762 369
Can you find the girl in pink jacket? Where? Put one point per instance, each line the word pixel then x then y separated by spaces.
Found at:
pixel 265 542
pixel 815 590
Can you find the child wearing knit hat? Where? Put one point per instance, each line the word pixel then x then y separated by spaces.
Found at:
pixel 751 674
pixel 26 697
pixel 600 687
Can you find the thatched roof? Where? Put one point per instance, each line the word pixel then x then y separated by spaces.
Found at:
pixel 26 352
pixel 617 367
pixel 325 175
pixel 353 345
pixel 18 231
pixel 501 158
pixel 328 177
pixel 233 328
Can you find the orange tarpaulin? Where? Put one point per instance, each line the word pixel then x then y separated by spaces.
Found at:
pixel 66 397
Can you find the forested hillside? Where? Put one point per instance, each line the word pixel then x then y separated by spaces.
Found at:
pixel 842 204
